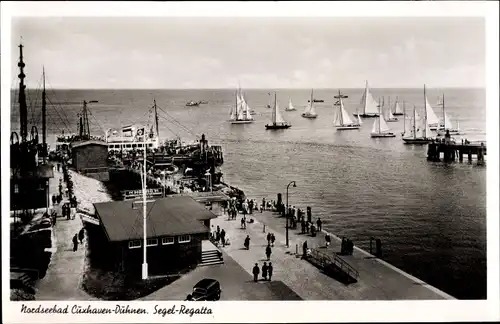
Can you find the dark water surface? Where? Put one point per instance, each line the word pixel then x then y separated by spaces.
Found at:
pixel 431 217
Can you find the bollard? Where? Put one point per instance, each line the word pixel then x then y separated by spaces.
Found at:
pixel 296 249
pixel 264 229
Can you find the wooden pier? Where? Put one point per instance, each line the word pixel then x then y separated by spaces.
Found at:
pixel 452 151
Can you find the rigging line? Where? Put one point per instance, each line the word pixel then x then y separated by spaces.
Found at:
pixel 174 132
pixel 98 124
pixel 32 103
pixel 65 119
pixel 62 120
pixel 178 123
pixel 47 81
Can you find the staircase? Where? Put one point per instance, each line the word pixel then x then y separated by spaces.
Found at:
pixel 21 279
pixel 211 257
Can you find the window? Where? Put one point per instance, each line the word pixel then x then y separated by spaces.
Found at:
pixel 184 238
pixel 150 145
pixel 134 244
pixel 134 145
pixel 167 240
pixel 152 242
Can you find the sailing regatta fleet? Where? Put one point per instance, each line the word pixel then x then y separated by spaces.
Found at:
pixel 417 130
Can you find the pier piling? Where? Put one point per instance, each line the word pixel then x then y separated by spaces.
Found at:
pixel 451 150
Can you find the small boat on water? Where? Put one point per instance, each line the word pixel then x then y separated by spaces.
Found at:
pixel 425 131
pixel 390 116
pixel 316 100
pixel 342 96
pixel 240 113
pixel 368 104
pixel 290 106
pixel 342 121
pixel 380 127
pixel 446 125
pixel 397 108
pixel 203 102
pixel 277 121
pixel 192 103
pixel 309 112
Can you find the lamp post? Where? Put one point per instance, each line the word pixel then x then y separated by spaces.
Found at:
pixel 286 210
pixel 164 184
pixel 209 178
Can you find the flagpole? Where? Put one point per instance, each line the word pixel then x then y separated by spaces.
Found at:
pixel 144 187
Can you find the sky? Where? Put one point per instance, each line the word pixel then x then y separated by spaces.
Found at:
pixel 265 52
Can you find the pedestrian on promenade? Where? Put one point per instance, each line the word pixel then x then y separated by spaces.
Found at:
pixel 328 240
pixel 256 272
pixel 53 199
pixel 264 271
pixel 268 252
pixel 81 235
pixel 304 249
pixel 273 238
pixel 268 238
pixel 75 243
pixel 270 270
pixel 218 230
pixel 263 204
pixel 307 227
pixel 223 237
pixel 250 206
pixel 319 223
pixel 247 242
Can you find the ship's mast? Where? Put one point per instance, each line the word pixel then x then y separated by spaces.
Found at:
pixel 425 114
pixel 44 121
pixel 340 110
pixel 156 121
pixel 444 116
pixel 414 123
pixel 23 108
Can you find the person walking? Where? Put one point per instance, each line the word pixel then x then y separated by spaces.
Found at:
pixel 319 223
pixel 242 222
pixel 223 237
pixel 75 243
pixel 268 238
pixel 304 249
pixel 268 252
pixel 270 270
pixel 247 242
pixel 81 235
pixel 256 272
pixel 273 238
pixel 264 271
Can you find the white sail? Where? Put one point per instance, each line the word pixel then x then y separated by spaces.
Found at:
pixel 246 108
pixel 383 125
pixel 391 116
pixel 290 106
pixel 279 119
pixel 346 120
pixel 432 119
pixel 369 104
pixel 337 121
pixel 375 126
pixel 308 108
pixel 447 122
pixel 359 120
pixel 311 110
pixel 397 108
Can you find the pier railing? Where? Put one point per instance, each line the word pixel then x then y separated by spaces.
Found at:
pixel 333 262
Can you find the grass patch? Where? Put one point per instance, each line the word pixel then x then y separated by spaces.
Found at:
pixel 110 285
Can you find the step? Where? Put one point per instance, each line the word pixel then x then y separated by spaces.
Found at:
pixel 210 253
pixel 203 264
pixel 211 259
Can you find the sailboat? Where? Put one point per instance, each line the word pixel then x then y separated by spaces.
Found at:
pixel 290 106
pixel 424 139
pixel 390 116
pixel 342 120
pixel 447 125
pixel 309 112
pixel 380 127
pixel 240 113
pixel 368 104
pixel 432 119
pixel 252 111
pixel 397 108
pixel 277 121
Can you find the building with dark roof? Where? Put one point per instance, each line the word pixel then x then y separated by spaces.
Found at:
pixel 176 227
pixel 90 157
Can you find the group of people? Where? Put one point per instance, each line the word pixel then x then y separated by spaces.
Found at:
pixel 78 237
pixel 267 272
pixel 219 237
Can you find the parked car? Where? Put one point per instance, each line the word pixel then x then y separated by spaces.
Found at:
pixel 206 289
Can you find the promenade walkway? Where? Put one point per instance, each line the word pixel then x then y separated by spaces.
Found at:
pixel 377 279
pixel 63 278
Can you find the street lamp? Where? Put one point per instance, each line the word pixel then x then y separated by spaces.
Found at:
pixel 209 178
pixel 286 210
pixel 164 184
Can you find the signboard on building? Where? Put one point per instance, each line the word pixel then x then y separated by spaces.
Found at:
pixel 152 192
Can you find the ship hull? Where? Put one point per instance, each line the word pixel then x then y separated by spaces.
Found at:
pixel 241 121
pixel 309 116
pixel 417 140
pixel 380 135
pixel 366 115
pixel 271 127
pixel 391 120
pixel 398 114
pixel 290 109
pixel 346 127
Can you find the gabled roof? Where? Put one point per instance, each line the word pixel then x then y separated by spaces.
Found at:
pixel 88 142
pixel 170 216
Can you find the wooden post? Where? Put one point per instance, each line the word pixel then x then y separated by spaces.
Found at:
pixel 460 155
pixel 470 156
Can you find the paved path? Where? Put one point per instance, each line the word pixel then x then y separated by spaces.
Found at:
pixel 377 280
pixel 236 284
pixel 63 278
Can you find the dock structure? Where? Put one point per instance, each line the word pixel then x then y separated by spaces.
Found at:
pixel 452 151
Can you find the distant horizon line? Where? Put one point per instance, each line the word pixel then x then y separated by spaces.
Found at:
pixel 233 88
